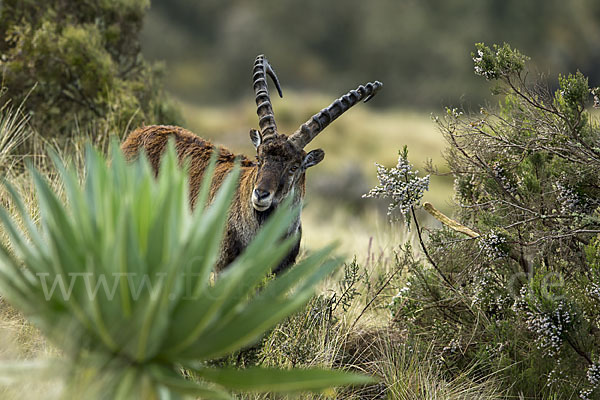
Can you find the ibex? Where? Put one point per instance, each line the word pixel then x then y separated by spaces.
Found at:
pixel 277 173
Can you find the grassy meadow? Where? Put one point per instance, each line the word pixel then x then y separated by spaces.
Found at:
pixel 347 325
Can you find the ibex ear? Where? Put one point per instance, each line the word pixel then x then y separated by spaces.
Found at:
pixel 313 158
pixel 256 137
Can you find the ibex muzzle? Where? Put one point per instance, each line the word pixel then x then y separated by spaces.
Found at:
pixel 277 173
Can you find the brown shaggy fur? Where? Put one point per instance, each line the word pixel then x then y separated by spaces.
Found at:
pixel 244 221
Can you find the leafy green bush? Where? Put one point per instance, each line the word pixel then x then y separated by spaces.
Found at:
pixel 83 59
pixel 517 293
pixel 120 279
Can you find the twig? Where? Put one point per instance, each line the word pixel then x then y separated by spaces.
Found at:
pixel 383 286
pixel 422 243
pixel 450 223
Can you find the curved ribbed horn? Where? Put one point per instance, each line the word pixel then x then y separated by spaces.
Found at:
pixel 266 119
pixel 320 121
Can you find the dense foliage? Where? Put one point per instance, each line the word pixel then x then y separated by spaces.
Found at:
pixel 518 294
pixel 79 65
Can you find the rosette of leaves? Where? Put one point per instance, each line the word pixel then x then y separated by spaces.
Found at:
pixel 120 280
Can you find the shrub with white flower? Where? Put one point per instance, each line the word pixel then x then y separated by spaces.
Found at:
pixel 493 245
pixel 593 291
pixel 593 377
pixel 503 179
pixel 527 218
pixel 400 184
pixel 568 198
pixel 498 61
pixel 401 296
pixel 549 325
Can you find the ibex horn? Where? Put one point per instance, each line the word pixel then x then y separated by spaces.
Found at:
pixel 320 121
pixel 266 119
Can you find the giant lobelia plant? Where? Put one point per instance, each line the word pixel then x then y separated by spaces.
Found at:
pixel 120 280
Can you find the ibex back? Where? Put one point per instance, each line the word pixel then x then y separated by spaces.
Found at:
pixel 277 173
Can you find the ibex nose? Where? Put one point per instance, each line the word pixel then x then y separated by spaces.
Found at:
pixel 260 194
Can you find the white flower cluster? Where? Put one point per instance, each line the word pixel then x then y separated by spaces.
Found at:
pixel 593 374
pixel 400 300
pixel 479 70
pixel 454 112
pixel 593 377
pixel 549 327
pixel 452 348
pixel 586 394
pixel 567 198
pixel 402 185
pixel 596 92
pixel 572 202
pixel 500 174
pixel 480 284
pixel 489 296
pixel 491 245
pixel 593 290
pixel 556 375
pixel 402 293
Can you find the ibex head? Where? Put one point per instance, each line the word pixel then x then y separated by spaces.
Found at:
pixel 282 160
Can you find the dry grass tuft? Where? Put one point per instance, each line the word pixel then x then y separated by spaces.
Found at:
pixel 406 372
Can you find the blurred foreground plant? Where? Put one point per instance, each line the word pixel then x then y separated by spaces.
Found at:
pixel 120 279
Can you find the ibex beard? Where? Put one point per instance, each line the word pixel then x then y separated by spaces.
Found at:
pixel 277 173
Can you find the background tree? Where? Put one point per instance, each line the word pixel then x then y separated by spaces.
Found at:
pixel 84 60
